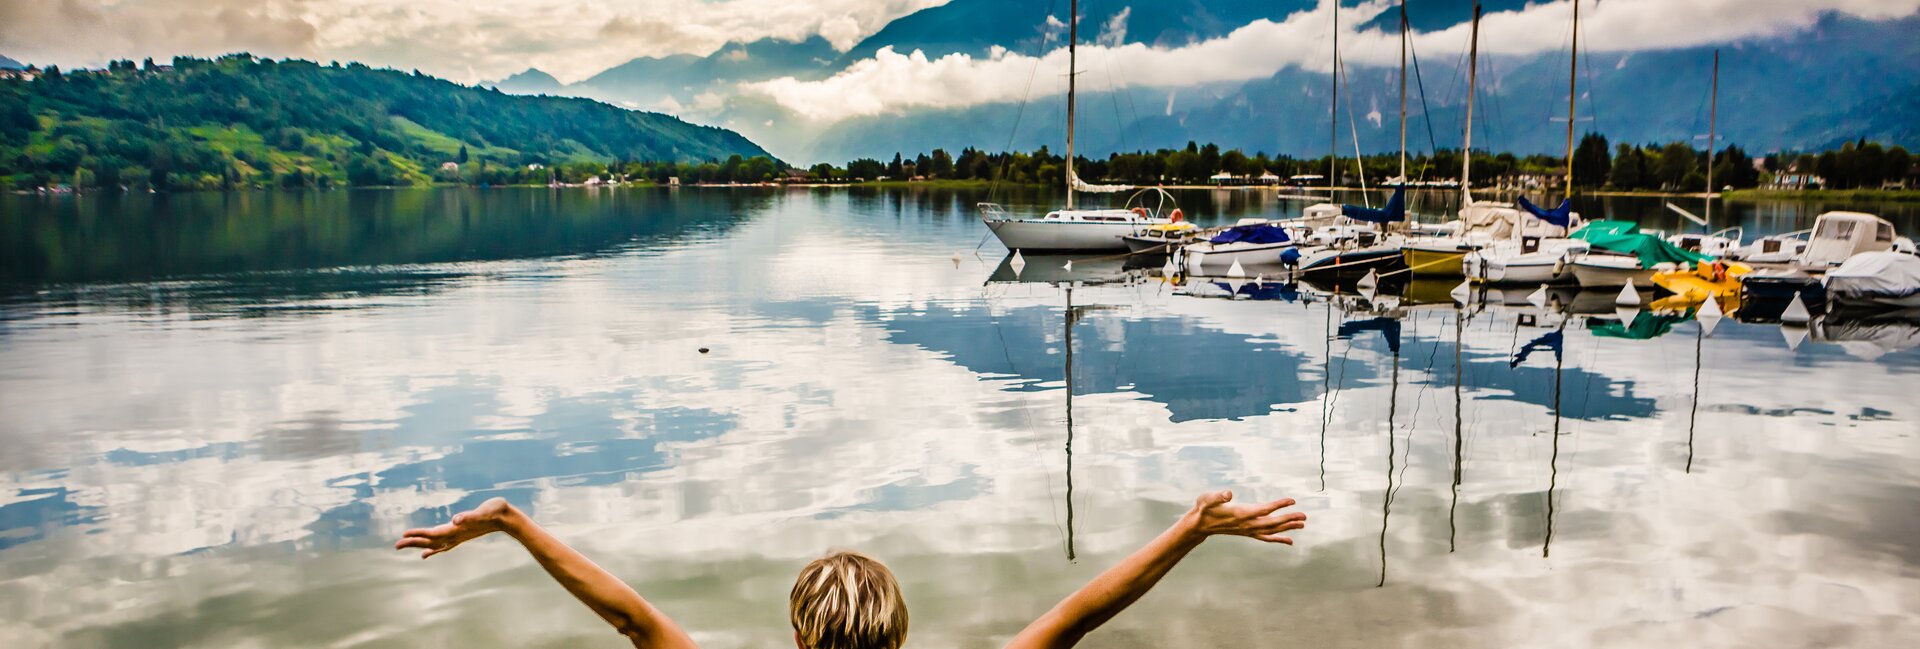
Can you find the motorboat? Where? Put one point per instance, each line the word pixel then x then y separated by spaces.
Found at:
pixel 1720 243
pixel 1695 283
pixel 1251 245
pixel 1622 253
pixel 1834 238
pixel 1877 279
pixel 1605 269
pixel 1160 239
pixel 1781 248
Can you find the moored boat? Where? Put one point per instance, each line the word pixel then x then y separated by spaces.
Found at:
pixel 1879 279
pixel 1253 246
pixel 1605 270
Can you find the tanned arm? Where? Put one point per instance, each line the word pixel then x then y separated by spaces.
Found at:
pixel 1117 588
pixel 609 597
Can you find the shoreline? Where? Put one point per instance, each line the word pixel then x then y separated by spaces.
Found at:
pixel 1743 195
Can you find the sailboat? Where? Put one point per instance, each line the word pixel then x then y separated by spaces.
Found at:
pixel 1480 223
pixel 1072 229
pixel 1363 243
pixel 1538 251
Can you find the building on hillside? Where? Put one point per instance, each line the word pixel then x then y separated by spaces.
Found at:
pixel 450 166
pixel 23 74
pixel 1795 180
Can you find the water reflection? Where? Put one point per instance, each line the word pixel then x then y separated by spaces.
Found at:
pixel 192 460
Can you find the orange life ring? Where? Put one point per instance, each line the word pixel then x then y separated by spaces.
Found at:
pixel 1176 215
pixel 1140 212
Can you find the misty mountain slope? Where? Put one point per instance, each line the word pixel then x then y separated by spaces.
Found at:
pixel 1768 89
pixel 974 26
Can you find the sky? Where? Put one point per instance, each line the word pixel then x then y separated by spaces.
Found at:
pixel 471 41
pixel 462 40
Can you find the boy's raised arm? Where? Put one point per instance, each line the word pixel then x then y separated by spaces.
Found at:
pixel 609 597
pixel 1118 587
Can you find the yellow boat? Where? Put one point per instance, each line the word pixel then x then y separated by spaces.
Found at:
pixel 1695 284
pixel 1432 262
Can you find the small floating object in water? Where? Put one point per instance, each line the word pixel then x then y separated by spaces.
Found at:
pixel 1370 281
pixel 1628 296
pixel 1626 314
pixel 1236 270
pixel 1018 264
pixel 1069 266
pixel 1462 292
pixel 1709 316
pixel 956 259
pixel 1796 312
pixel 1167 269
pixel 1795 334
pixel 1538 298
pixel 704 350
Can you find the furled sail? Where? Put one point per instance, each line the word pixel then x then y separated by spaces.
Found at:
pixel 1082 186
pixel 1560 216
pixel 1395 209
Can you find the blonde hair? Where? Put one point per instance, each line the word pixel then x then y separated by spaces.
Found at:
pixel 847 600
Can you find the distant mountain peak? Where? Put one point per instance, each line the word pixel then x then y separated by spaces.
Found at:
pixel 10 64
pixel 532 81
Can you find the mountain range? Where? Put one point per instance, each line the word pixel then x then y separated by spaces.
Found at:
pixel 1838 79
pixel 10 64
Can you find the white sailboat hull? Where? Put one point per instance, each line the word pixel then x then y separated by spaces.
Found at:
pixel 1060 235
pixel 1597 271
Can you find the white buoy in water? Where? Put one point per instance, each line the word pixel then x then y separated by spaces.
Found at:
pixel 1462 293
pixel 1018 264
pixel 1709 316
pixel 1628 296
pixel 1068 267
pixel 1795 334
pixel 1167 269
pixel 956 259
pixel 1371 281
pixel 1538 298
pixel 1236 270
pixel 1626 314
pixel 1796 312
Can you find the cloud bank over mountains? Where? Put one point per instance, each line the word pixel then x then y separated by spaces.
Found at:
pixel 893 81
pixel 456 39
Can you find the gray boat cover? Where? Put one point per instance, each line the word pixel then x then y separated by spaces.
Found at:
pixel 1875 275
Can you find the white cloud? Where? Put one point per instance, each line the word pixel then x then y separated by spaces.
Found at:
pixel 892 81
pixel 457 39
pixel 1114 32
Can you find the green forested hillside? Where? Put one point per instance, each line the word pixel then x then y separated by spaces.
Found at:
pixel 241 121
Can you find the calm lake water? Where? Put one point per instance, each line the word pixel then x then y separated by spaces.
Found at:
pixel 217 412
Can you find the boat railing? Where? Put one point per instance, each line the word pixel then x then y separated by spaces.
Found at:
pixel 993 211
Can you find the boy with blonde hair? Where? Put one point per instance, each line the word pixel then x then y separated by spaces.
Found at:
pixel 847 600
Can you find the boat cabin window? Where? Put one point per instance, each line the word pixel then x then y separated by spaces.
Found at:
pixel 1884 232
pixel 1835 229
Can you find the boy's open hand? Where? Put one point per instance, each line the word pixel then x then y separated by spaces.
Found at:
pixel 489 517
pixel 1215 513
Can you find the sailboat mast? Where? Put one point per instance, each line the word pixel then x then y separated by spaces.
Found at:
pixel 1073 41
pixel 1473 78
pixel 1403 92
pixel 1333 112
pixel 1713 116
pixel 1573 78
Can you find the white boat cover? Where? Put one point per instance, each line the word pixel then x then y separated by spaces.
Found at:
pixel 1875 275
pixel 1082 186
